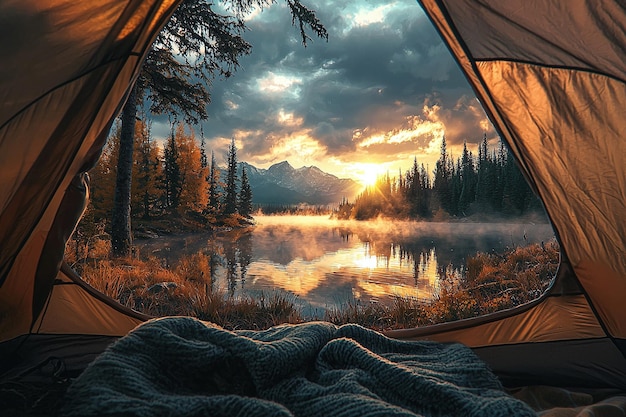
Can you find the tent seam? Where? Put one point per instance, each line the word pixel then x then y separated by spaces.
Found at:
pixel 561 67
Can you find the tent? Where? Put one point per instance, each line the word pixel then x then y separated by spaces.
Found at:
pixel 66 69
pixel 551 76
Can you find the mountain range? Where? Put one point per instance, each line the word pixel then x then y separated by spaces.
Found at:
pixel 283 184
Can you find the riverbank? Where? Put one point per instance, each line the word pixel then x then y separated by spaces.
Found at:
pixel 490 282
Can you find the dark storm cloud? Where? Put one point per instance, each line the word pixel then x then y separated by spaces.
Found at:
pixel 371 77
pixel 337 140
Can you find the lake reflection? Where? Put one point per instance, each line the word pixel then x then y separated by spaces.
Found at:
pixel 327 262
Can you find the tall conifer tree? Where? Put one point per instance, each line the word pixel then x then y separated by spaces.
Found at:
pixel 172 176
pixel 203 159
pixel 443 176
pixel 230 193
pixel 245 195
pixel 214 195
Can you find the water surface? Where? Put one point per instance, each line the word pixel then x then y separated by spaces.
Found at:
pixel 325 263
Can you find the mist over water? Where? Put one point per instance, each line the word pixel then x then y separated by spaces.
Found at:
pixel 326 263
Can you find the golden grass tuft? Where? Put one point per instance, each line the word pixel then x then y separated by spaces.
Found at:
pixel 490 282
pixel 262 312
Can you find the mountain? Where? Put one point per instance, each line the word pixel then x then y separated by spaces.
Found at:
pixel 283 184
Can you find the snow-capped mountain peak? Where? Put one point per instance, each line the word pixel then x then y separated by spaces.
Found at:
pixel 281 183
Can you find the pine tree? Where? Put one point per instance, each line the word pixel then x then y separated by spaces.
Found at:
pixel 172 178
pixel 424 203
pixel 455 187
pixel 214 195
pixel 230 197
pixel 486 181
pixel 414 184
pixel 203 159
pixel 443 177
pixel 245 195
pixel 468 180
pixel 501 178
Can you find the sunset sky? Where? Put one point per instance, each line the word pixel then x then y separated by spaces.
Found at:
pixel 382 90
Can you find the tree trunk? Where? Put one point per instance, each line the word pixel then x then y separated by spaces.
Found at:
pixel 121 237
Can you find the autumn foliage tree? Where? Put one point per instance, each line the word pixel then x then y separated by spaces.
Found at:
pixel 194 187
pixel 173 178
pixel 102 178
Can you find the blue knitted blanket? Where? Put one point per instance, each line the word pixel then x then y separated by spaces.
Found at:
pixel 186 367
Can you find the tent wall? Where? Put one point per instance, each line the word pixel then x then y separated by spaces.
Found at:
pixel 556 93
pixel 76 324
pixel 67 67
pixel 75 308
pixel 552 78
pixel 556 340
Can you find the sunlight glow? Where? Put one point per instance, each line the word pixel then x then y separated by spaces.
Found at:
pixel 366 262
pixel 369 178
pixel 416 128
pixel 367 173
pixel 289 119
pixel 299 149
pixel 278 83
pixel 368 16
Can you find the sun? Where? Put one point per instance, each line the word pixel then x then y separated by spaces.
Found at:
pixel 367 173
pixel 368 178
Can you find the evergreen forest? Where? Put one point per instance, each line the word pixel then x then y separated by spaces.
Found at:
pixel 490 184
pixel 174 180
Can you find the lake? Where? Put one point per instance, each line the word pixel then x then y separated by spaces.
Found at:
pixel 325 263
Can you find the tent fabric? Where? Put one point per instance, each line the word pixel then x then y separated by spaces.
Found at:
pixel 66 68
pixel 552 78
pixel 76 324
pixel 70 298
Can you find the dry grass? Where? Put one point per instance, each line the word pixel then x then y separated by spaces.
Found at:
pixel 262 312
pixel 148 286
pixel 490 282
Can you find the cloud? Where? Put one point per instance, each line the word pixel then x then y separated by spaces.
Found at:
pixel 382 89
pixel 272 83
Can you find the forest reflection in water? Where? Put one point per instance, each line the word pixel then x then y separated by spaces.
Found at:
pixel 326 263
